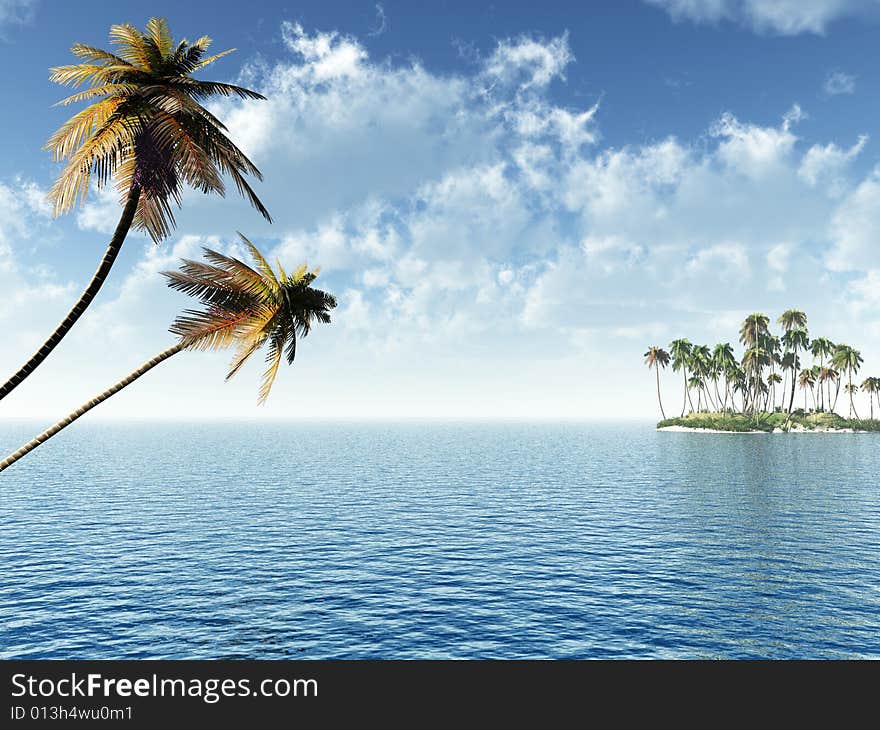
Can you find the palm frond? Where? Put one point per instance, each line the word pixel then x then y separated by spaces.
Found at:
pixel 273 358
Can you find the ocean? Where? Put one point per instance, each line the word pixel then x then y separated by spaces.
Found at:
pixel 438 540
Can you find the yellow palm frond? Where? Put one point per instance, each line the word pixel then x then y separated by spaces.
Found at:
pixel 247 348
pixel 215 57
pixel 273 358
pixel 160 34
pixel 81 73
pixel 132 45
pixel 76 130
pixel 262 265
pixel 116 90
pixel 94 55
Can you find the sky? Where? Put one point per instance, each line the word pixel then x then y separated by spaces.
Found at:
pixel 511 201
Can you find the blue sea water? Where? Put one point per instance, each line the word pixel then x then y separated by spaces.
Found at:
pixel 438 540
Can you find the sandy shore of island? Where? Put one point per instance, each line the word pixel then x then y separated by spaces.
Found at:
pixel 688 429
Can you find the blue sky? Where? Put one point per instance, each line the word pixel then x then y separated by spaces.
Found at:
pixel 511 200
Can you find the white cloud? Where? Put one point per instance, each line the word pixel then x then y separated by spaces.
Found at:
pixel 778 257
pixel 16 12
pixel 827 164
pixel 752 149
pixel 101 213
pixel 729 260
pixel 783 17
pixel 839 83
pixel 853 228
pixel 529 62
pixel 864 292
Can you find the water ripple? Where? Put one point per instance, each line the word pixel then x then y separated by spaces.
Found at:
pixel 508 540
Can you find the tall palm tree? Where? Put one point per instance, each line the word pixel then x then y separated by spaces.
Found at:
pixel 806 380
pixel 822 347
pixel 656 357
pixel 792 319
pixel 701 365
pixel 852 389
pixel 243 307
pixel 794 340
pixel 681 354
pixel 754 329
pixel 695 382
pixel 827 376
pixel 773 380
pixel 850 360
pixel 147 131
pixel 725 361
pixel 737 379
pixel 872 387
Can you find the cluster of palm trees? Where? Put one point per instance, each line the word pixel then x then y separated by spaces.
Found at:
pixel 770 371
pixel 148 132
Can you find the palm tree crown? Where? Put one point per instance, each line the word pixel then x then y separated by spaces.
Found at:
pixel 248 307
pixel 147 129
pixel 793 319
pixel 656 357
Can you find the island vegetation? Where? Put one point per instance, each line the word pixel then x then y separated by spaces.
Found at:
pixel 760 390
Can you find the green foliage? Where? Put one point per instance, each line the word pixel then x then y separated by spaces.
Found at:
pixel 769 421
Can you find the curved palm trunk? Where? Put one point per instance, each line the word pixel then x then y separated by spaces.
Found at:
pixel 852 406
pixel 659 399
pixel 65 422
pixel 85 299
pixel 794 374
pixel 687 394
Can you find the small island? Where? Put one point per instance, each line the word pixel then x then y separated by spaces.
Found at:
pixel 756 394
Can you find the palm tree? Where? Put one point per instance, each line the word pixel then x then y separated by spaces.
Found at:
pixel 821 348
pixel 794 340
pixel 701 365
pixel 737 378
pixel 147 131
pixel 872 387
pixel 724 361
pixel 852 389
pixel 848 359
pixel 827 376
pixel 681 353
pixel 695 382
pixel 774 379
pixel 753 330
pixel 244 307
pixel 806 380
pixel 656 357
pixel 793 319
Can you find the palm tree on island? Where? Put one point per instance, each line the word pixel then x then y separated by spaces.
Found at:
pixel 822 348
pixel 656 357
pixel 146 130
pixel 872 387
pixel 243 307
pixel 681 355
pixel 746 398
pixel 849 360
pixel 807 380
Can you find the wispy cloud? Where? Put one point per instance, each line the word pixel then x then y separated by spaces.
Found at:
pixel 381 20
pixel 15 13
pixel 781 17
pixel 839 83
